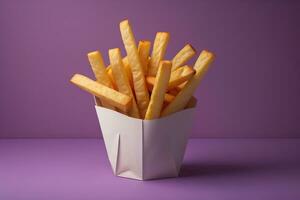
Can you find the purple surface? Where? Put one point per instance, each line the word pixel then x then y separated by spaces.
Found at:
pixel 253 89
pixel 213 169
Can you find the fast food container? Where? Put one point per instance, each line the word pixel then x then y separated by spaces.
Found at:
pixel 145 149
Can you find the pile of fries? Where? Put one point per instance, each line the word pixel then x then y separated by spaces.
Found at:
pixel 144 86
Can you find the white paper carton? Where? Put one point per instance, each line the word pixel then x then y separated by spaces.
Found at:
pixel 145 149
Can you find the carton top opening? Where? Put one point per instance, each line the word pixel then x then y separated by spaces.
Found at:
pixel 98 104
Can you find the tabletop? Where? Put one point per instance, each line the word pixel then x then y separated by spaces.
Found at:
pixel 212 169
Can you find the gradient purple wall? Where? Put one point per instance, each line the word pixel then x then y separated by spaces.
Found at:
pixel 252 90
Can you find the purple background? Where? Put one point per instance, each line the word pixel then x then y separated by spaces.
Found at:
pixel 252 90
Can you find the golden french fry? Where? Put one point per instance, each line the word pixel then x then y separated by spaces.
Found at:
pixel 173 92
pixel 159 90
pixel 98 67
pixel 139 83
pixel 201 66
pixel 121 79
pixel 125 61
pixel 183 56
pixel 150 82
pixel 113 97
pixel 111 76
pixel 144 51
pixel 177 89
pixel 150 88
pixel 180 75
pixel 168 97
pixel 180 87
pixel 159 49
pixel 191 103
pixel 127 69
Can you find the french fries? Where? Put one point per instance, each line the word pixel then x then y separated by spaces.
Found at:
pixel 178 77
pixel 98 67
pixel 173 92
pixel 168 98
pixel 111 96
pixel 170 95
pixel 159 49
pixel 201 66
pixel 159 90
pixel 183 56
pixel 139 83
pixel 111 76
pixel 125 61
pixel 121 79
pixel 150 82
pixel 144 50
pixel 179 87
pixel 143 86
pixel 127 69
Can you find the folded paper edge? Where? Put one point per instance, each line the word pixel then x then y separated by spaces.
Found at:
pixel 117 156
